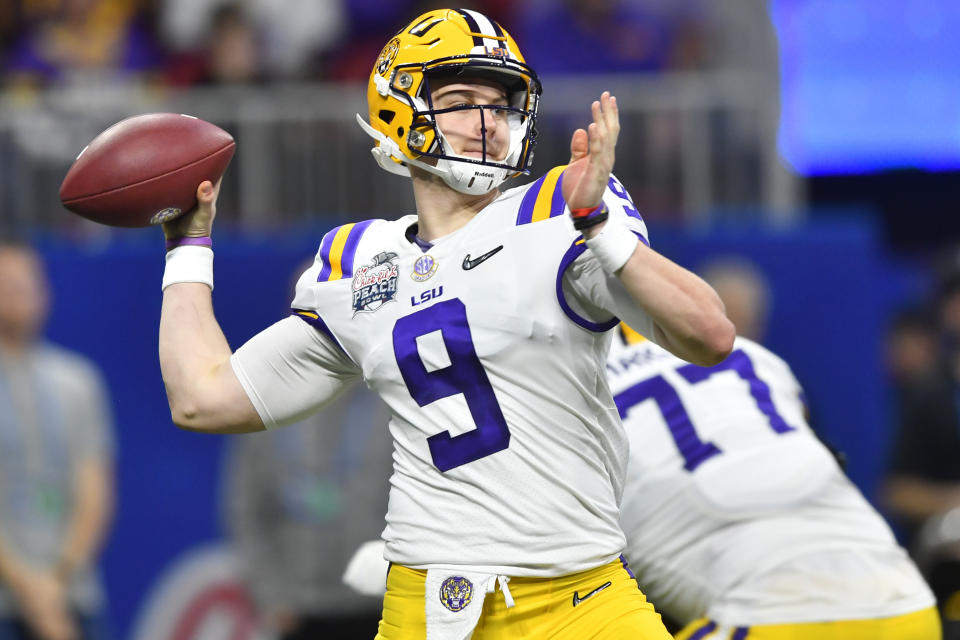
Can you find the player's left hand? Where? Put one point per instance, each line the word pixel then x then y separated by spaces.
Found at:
pixel 592 153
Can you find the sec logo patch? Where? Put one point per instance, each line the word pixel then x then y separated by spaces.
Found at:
pixel 424 268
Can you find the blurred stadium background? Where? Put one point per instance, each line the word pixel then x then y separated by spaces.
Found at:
pixel 819 139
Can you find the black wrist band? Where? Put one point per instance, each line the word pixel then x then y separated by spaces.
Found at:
pixel 592 220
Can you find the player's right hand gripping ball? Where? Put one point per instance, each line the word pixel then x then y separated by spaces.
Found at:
pixel 145 170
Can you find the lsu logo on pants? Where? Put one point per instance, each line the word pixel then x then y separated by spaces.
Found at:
pixel 456 593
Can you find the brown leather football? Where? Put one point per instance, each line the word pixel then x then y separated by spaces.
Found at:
pixel 145 170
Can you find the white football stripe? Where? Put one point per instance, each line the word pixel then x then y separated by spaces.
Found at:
pixel 486 28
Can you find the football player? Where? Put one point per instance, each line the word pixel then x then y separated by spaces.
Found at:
pixel 740 524
pixel 483 322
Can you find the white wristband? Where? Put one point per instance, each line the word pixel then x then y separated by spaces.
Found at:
pixel 189 263
pixel 613 246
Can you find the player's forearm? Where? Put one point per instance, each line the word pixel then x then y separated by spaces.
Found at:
pixel 689 316
pixel 91 518
pixel 916 498
pixel 202 390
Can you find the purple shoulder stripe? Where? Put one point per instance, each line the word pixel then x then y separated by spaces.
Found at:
pixel 574 252
pixel 325 245
pixel 525 215
pixel 350 249
pixel 338 256
pixel 557 203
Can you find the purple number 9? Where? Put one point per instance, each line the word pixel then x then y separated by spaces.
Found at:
pixel 465 375
pixel 628 206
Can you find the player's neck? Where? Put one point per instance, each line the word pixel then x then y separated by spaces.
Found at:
pixel 442 210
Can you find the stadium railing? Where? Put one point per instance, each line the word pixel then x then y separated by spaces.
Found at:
pixel 693 147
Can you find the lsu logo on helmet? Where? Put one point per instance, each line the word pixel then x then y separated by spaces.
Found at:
pixel 387 56
pixel 402 119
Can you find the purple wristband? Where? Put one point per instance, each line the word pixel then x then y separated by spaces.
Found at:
pixel 205 241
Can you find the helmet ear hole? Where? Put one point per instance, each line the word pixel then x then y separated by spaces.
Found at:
pixel 386 115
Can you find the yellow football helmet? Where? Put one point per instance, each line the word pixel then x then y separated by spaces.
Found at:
pixel 444 43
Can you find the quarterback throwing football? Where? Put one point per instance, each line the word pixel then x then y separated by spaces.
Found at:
pixel 484 322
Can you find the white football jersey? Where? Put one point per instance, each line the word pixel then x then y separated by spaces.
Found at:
pixel 489 348
pixel 734 510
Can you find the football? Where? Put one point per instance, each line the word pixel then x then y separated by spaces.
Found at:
pixel 145 170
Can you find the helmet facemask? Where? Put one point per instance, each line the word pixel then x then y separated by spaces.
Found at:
pixel 468 174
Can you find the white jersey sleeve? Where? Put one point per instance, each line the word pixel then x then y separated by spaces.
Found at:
pixel 596 295
pixel 291 369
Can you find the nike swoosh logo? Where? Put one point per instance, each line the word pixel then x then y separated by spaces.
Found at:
pixel 470 264
pixel 576 595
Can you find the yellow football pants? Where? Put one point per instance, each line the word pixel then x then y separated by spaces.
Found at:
pixel 920 625
pixel 543 608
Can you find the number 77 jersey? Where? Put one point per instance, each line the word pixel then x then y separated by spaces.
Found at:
pixel 732 505
pixel 489 347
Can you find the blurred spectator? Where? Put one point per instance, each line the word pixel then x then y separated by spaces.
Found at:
pixel 56 482
pixel 584 36
pixel 922 489
pixel 912 347
pixel 232 54
pixel 370 19
pixel 925 475
pixel 9 20
pixel 300 500
pixel 648 36
pixel 291 34
pixel 745 293
pixel 74 41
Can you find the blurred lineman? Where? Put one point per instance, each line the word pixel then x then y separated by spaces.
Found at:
pixel 483 322
pixel 739 522
pixel 56 477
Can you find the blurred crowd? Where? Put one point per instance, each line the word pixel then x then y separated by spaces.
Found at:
pixel 922 490
pixel 184 43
